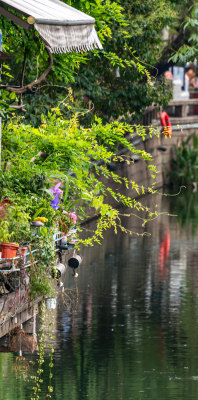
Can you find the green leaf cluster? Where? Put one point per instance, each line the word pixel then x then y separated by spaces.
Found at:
pixel 117 81
pixel 60 150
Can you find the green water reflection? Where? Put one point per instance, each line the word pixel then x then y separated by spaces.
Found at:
pixel 186 208
pixel 133 333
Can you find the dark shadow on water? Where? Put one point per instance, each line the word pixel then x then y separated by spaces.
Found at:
pixel 129 327
pixel 185 207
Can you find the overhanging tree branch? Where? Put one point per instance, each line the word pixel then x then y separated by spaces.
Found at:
pixel 36 82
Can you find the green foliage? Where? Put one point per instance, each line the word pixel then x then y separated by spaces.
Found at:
pixel 28 47
pixel 4 232
pixel 79 158
pixel 18 224
pixel 41 263
pixel 188 48
pixel 5 101
pixel 130 33
pixel 38 377
pixel 62 151
pixel 149 19
pixel 127 91
pixel 15 225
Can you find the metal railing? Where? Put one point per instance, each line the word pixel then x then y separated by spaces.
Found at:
pixel 24 259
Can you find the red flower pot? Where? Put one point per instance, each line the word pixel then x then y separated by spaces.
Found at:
pixel 9 250
pixel 23 252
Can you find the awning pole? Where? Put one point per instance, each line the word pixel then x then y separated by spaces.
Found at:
pixel 64 23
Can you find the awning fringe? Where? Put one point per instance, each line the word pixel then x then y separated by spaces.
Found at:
pixel 62 39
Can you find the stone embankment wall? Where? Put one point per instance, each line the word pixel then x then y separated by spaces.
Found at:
pixel 161 150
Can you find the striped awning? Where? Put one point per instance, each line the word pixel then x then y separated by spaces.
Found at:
pixel 62 27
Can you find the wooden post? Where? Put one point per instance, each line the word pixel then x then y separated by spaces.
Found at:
pixel 185 108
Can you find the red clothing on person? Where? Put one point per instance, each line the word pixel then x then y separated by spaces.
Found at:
pixel 165 122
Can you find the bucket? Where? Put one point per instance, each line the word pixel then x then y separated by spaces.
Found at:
pixel 51 303
pixel 74 261
pixel 9 250
pixel 58 271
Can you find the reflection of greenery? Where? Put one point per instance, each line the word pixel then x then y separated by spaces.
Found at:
pixel 127 351
pixel 184 165
pixel 8 379
pixel 185 206
pixel 37 378
pixel 121 368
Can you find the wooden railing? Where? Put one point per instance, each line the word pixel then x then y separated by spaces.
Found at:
pixel 150 115
pixel 179 111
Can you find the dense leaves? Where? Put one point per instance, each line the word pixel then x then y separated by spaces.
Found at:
pixel 110 83
pixel 189 51
pixel 35 158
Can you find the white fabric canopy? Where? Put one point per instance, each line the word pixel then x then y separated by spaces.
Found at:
pixel 62 39
pixel 61 26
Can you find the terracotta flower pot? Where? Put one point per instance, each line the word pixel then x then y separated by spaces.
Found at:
pixel 23 250
pixel 9 250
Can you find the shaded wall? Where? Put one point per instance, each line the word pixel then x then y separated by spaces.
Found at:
pixel 161 150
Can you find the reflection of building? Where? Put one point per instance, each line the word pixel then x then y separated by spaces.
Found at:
pixel 177 281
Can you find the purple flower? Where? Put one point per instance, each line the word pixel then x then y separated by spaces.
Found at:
pixel 56 192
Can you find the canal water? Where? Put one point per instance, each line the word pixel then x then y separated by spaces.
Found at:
pixel 127 327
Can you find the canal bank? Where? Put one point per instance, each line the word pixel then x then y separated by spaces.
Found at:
pixel 137 171
pixel 160 148
pixel 129 328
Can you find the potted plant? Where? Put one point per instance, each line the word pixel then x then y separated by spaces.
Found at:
pixel 16 229
pixel 19 224
pixel 8 250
